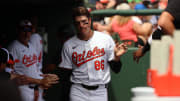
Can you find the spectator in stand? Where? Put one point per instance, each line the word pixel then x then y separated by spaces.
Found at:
pixel 153 18
pixel 154 4
pixel 132 3
pixel 106 4
pixel 147 3
pixel 163 4
pixel 127 28
pixel 142 19
pixel 141 7
pixel 100 5
pixel 110 4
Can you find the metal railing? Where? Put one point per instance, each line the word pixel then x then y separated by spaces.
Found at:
pixel 111 12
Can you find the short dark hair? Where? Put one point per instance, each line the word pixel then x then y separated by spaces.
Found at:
pixel 80 11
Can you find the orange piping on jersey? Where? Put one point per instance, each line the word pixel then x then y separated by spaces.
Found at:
pixel 39 58
pixel 16 60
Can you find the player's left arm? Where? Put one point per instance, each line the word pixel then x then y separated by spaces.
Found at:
pixel 116 64
pixel 119 50
pixel 114 53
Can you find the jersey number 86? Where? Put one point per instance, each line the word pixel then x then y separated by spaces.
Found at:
pixel 99 65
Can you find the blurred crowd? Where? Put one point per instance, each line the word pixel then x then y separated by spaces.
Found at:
pixel 134 28
pixel 112 4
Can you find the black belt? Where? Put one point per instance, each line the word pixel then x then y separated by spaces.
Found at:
pixel 35 87
pixel 93 87
pixel 90 87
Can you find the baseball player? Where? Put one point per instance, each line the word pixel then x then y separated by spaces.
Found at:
pixel 89 55
pixel 26 59
pixel 37 43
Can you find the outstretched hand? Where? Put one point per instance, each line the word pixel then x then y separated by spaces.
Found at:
pixel 120 49
pixel 49 80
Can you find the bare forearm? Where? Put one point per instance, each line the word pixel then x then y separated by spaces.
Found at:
pixel 24 80
pixel 34 81
pixel 142 29
pixel 104 28
pixel 111 3
pixel 13 76
pixel 168 29
pixel 166 23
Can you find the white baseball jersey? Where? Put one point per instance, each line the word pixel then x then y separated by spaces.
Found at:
pixel 25 58
pixel 37 43
pixel 89 59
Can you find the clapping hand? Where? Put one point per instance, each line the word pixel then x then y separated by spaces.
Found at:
pixel 49 80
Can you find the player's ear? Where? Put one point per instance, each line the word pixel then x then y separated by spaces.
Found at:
pixel 89 19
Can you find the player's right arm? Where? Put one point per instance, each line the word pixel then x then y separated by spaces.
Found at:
pixel 47 81
pixel 66 58
pixel 65 67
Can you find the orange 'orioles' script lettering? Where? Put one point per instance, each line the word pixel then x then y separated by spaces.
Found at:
pixel 29 60
pixel 84 57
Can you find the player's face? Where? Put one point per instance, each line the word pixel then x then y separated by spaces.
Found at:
pixel 25 34
pixel 82 24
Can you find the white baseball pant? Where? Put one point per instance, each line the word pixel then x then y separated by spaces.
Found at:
pixel 27 94
pixel 78 93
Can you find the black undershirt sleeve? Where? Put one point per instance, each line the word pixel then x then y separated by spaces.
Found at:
pixel 115 66
pixel 146 48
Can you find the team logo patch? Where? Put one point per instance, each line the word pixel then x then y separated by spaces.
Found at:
pixel 84 57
